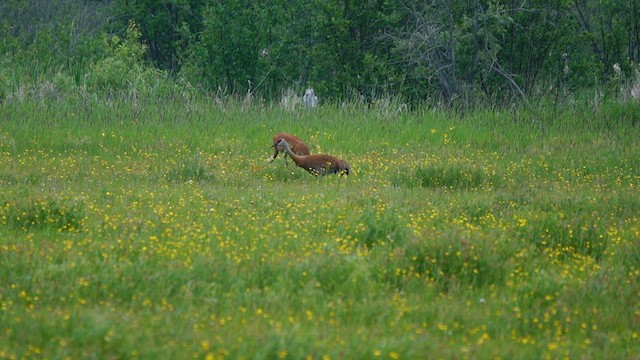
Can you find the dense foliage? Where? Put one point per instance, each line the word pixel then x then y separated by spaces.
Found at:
pixel 446 52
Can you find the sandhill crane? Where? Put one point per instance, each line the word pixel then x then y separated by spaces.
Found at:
pixel 320 164
pixel 297 146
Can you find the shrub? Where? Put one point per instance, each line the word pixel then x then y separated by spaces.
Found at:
pixel 43 214
pixel 378 226
pixel 448 259
pixel 566 234
pixel 450 176
pixel 190 169
pixel 123 70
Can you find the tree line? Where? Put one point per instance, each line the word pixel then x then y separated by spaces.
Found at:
pixel 459 51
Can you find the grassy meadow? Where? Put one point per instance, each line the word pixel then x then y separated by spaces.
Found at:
pixel 135 229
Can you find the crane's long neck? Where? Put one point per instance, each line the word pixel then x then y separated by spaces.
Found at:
pixel 296 158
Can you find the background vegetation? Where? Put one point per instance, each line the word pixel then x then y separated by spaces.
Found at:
pixel 461 53
pixel 492 212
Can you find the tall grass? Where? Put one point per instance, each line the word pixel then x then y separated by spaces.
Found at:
pixel 142 228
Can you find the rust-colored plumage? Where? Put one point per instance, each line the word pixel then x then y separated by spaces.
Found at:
pixel 297 146
pixel 319 164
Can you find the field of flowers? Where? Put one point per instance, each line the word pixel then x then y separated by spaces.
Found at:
pixel 134 230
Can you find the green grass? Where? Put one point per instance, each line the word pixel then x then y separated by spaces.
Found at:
pixel 140 229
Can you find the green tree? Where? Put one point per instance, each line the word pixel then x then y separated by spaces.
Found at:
pixel 352 55
pixel 268 47
pixel 122 69
pixel 166 26
pixel 41 37
pixel 452 50
pixel 613 28
pixel 227 52
pixel 544 47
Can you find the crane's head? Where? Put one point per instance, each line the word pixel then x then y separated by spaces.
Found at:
pixel 345 170
pixel 280 144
